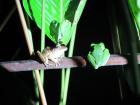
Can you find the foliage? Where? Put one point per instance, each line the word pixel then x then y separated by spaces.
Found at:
pixel 59 16
pixel 135 10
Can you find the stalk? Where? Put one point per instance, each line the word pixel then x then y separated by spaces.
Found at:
pixel 77 16
pixel 63 70
pixel 67 75
pixel 43 37
pixel 29 42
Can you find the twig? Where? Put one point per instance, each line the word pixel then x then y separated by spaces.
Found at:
pixel 29 65
pixel 31 50
pixel 25 29
pixel 76 61
pixel 7 18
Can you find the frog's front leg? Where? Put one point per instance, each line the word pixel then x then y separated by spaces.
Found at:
pixel 46 62
pixel 61 57
pixel 92 61
pixel 55 60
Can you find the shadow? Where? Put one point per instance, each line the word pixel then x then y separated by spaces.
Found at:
pixel 13 90
pixel 70 13
pixel 54 29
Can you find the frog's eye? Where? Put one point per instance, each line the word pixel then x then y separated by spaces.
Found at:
pixel 102 46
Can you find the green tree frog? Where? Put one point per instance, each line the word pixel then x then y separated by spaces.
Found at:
pixel 99 55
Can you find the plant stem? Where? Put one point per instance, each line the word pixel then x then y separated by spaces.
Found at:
pixel 31 49
pixel 67 74
pixel 62 85
pixel 78 13
pixel 36 89
pixel 61 11
pixel 25 29
pixel 63 70
pixel 34 76
pixel 7 18
pixel 43 37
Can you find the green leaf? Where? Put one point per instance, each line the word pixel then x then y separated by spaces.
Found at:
pixel 54 11
pixel 135 11
pixel 60 16
pixel 65 28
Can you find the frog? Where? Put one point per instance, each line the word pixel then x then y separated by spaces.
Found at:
pixel 98 55
pixel 54 54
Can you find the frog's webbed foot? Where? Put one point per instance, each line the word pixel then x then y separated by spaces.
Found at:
pixel 46 63
pixel 57 63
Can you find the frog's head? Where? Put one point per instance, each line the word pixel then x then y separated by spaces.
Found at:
pixel 102 46
pixel 60 49
pixel 63 48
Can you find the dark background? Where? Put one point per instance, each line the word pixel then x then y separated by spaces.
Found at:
pixel 86 87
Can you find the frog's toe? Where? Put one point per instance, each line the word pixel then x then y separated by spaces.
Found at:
pixel 57 64
pixel 45 64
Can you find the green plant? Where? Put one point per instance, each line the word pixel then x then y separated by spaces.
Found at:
pixel 58 21
pixel 134 6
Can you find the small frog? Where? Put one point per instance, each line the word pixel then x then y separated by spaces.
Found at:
pixel 99 55
pixel 54 54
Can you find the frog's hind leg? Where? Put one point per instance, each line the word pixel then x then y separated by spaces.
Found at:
pixel 43 60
